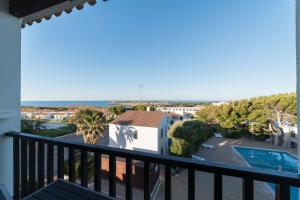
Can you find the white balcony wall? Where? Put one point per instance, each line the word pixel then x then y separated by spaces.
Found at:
pixel 10 78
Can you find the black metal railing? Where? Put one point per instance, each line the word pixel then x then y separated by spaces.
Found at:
pixel 25 178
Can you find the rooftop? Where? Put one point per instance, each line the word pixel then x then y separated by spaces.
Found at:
pixel 173 115
pixel 140 118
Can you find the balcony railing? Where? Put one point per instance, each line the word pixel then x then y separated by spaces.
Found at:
pixel 27 167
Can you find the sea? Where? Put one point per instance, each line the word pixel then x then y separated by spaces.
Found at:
pixel 85 103
pixel 67 103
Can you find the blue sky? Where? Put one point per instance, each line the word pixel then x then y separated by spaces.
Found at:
pixel 162 50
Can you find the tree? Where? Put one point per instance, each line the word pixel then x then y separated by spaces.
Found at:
pixel 90 124
pixel 32 126
pixel 209 115
pixel 140 107
pixel 186 137
pixel 260 116
pixel 281 107
pixel 117 110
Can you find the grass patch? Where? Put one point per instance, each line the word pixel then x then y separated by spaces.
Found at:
pixel 58 132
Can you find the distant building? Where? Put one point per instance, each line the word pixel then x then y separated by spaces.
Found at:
pixel 62 115
pixel 220 103
pixel 140 130
pixel 290 135
pixel 27 115
pixel 43 116
pixel 173 118
pixel 59 116
pixel 185 112
pixel 46 114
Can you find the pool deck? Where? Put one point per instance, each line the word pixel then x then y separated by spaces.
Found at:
pixel 232 187
pixel 224 153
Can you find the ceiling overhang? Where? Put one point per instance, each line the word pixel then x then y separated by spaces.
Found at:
pixel 36 10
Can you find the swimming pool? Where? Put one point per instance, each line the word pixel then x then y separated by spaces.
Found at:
pixel 270 160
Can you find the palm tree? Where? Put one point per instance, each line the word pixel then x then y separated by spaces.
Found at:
pixel 90 124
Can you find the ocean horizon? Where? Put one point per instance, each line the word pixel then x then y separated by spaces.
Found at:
pixel 92 103
pixel 67 103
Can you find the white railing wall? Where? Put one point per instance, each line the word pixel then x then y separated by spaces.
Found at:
pixel 10 80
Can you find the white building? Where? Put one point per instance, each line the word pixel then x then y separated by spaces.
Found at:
pixel 290 135
pixel 185 112
pixel 220 103
pixel 43 116
pixel 173 118
pixel 27 115
pixel 140 130
pixel 60 116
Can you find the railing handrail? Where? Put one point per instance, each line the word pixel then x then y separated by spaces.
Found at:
pixel 205 166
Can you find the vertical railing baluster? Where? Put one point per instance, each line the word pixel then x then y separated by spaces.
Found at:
pixel 282 192
pixel 41 164
pixel 50 163
pixel 147 193
pixel 24 168
pixel 97 172
pixel 128 179
pixel 168 183
pixel 83 172
pixel 191 184
pixel 218 186
pixel 71 165
pixel 112 176
pixel 248 189
pixel 60 161
pixel 16 168
pixel 32 160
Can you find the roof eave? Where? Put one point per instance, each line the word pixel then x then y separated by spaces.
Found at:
pixel 19 8
pixel 37 10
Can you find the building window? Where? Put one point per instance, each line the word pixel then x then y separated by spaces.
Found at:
pixel 161 151
pixel 161 133
pixel 293 134
pixel 135 135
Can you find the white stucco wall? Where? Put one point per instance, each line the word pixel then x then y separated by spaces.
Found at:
pixel 10 78
pixel 121 136
pixel 162 141
pixel 149 138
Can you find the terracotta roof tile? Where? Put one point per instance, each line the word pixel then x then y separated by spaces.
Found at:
pixel 140 118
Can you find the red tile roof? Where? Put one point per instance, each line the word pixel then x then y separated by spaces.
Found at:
pixel 140 118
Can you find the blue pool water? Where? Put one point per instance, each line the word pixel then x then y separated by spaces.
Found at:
pixel 271 160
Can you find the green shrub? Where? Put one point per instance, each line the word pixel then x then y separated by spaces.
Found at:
pixel 186 137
